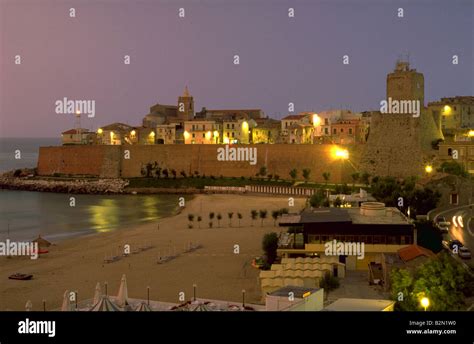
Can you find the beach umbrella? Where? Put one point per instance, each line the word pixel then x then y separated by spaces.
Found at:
pixel 122 296
pixel 104 305
pixel 143 307
pixel 97 293
pixel 28 306
pixel 66 306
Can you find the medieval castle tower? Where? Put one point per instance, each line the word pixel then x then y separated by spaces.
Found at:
pixel 399 144
pixel 186 106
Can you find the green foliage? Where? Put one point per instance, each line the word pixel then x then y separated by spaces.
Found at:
pixel 253 215
pixel 389 189
pixel 270 246
pixel 306 173
pixel 191 217
pixel 211 215
pixel 263 171
pixel 342 189
pixel 326 176
pixel 441 280
pixel 294 174
pixel 365 178
pixel 275 214
pixel 429 236
pixel 317 199
pixel 263 215
pixel 219 218
pixel 453 167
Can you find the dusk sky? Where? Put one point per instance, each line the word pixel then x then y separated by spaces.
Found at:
pixel 282 59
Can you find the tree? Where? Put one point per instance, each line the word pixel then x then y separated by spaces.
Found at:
pixel 337 202
pixel 442 280
pixel 219 218
pixel 211 215
pixel 276 177
pixel 191 219
pixel 306 174
pixel 263 215
pixel 270 246
pixel 365 178
pixel 428 236
pixel 173 172
pixel 355 178
pixel 293 174
pixel 157 172
pixel 317 199
pixel 239 216
pixel 199 219
pixel 453 167
pixel 165 172
pixel 326 176
pixel 275 214
pixel 329 282
pixel 230 214
pixel 263 171
pixel 254 215
pixel 183 174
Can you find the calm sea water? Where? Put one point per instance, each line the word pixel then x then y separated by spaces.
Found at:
pixel 24 215
pixel 28 148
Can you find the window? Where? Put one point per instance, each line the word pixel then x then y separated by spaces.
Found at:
pixel 228 126
pixel 454 198
pixel 342 130
pixel 391 240
pixel 326 121
pixel 194 135
pixel 233 126
pixel 193 126
pixel 203 135
pixel 233 134
pixel 334 131
pixel 326 131
pixel 350 131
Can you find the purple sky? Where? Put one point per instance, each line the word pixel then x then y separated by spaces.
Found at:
pixel 281 59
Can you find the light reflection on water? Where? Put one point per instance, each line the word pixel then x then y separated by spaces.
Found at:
pixel 32 213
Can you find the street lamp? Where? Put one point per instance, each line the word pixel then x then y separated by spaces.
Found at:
pixel 425 302
pixel 428 168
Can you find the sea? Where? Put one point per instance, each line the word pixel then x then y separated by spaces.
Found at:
pixel 25 215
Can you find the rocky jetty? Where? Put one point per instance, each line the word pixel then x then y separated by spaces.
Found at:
pixel 73 186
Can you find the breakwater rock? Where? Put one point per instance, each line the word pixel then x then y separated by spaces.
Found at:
pixel 74 186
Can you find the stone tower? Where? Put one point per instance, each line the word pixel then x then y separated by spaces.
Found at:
pixel 406 84
pixel 399 144
pixel 186 106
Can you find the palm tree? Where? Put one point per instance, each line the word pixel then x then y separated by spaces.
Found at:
pixel 293 174
pixel 230 214
pixel 306 174
pixel 239 215
pixel 191 219
pixel 275 214
pixel 199 218
pixel 219 218
pixel 211 215
pixel 263 215
pixel 173 172
pixel 254 215
pixel 326 176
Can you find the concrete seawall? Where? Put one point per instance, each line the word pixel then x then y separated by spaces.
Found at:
pixel 127 161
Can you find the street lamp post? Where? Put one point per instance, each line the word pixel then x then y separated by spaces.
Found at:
pixel 425 302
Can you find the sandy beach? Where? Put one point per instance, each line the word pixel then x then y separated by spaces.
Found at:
pixel 78 264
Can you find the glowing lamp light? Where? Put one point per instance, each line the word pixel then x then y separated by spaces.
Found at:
pixel 425 302
pixel 186 135
pixel 428 168
pixel 226 140
pixel 99 131
pixel 470 133
pixel 316 120
pixel 342 154
pixel 208 135
pixel 152 134
pixel 447 109
pixel 133 132
pixel 245 125
pixel 216 133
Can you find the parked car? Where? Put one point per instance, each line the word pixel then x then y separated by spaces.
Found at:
pixel 464 252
